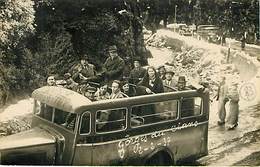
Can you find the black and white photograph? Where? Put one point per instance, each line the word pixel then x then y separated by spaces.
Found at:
pixel 130 82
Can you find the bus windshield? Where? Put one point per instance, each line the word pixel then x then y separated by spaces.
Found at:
pixel 55 115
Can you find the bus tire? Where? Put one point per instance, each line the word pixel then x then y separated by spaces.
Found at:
pixel 161 158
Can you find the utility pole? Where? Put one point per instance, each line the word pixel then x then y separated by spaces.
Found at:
pixel 175 14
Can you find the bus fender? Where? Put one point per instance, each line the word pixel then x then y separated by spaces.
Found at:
pixel 160 149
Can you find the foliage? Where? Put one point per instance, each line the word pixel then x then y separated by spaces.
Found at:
pixel 233 16
pixel 16 24
pixel 69 30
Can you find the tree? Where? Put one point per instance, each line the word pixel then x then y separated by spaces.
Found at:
pixel 16 24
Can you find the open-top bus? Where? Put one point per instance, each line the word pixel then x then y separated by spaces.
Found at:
pixel 69 129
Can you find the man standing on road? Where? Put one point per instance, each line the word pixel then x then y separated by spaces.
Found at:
pixel 222 100
pixel 233 95
pixel 114 65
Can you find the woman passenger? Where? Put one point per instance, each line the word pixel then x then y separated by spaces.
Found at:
pixel 152 81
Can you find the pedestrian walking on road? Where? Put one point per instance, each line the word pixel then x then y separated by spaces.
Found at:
pixel 233 95
pixel 243 42
pixel 222 100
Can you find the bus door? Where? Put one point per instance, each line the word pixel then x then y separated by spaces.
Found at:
pixel 110 126
pixel 191 128
pixel 83 151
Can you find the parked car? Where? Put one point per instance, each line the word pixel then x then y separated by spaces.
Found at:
pixel 208 32
pixel 185 30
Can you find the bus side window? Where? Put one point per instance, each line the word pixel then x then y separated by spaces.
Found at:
pixel 110 120
pixel 168 109
pixel 85 123
pixel 190 107
pixel 153 113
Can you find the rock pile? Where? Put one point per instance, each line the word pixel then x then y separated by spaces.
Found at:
pixel 198 64
pixel 15 125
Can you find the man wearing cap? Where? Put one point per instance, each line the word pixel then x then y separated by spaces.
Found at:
pixel 137 73
pixel 169 83
pixel 83 70
pixel 70 83
pixel 114 65
pixel 90 93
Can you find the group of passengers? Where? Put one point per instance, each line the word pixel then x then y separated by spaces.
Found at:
pixel 84 79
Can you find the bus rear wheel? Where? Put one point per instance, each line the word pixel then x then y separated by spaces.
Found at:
pixel 160 159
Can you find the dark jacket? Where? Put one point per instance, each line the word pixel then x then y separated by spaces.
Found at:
pixel 156 88
pixel 136 75
pixel 113 68
pixel 87 71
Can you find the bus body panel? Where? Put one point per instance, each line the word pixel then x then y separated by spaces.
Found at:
pixel 83 154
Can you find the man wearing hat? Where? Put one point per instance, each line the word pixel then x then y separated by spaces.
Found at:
pixel 169 83
pixel 83 70
pixel 186 105
pixel 70 83
pixel 181 85
pixel 137 73
pixel 114 65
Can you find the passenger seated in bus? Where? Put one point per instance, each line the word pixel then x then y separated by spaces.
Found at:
pixel 51 81
pixel 137 73
pixel 70 121
pixel 181 85
pixel 186 105
pixel 90 93
pixel 70 83
pixel 162 72
pixel 128 89
pixel 152 81
pixel 102 93
pixel 116 92
pixel 169 83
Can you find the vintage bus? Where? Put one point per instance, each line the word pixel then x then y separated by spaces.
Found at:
pixel 69 129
